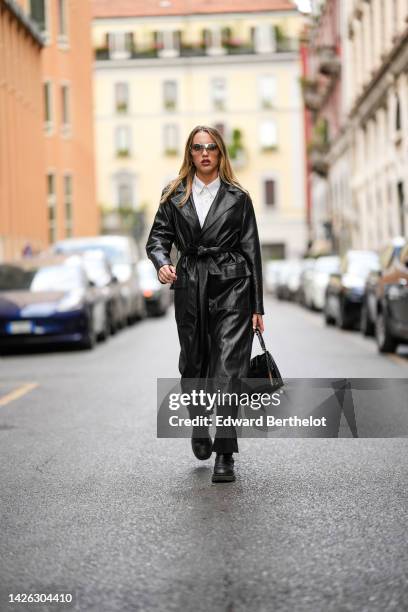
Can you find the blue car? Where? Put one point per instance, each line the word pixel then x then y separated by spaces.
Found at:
pixel 45 300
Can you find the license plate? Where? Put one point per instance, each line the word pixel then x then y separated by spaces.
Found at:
pixel 20 327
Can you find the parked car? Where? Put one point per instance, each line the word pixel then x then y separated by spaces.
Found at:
pixel 100 272
pixel 157 295
pixel 345 289
pixel 50 299
pixel 271 274
pixel 288 279
pixel 369 306
pixel 307 267
pixel 317 279
pixel 391 325
pixel 121 252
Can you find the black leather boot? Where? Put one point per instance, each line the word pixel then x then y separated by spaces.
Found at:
pixel 223 468
pixel 202 446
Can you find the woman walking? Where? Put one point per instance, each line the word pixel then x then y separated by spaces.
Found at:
pixel 218 297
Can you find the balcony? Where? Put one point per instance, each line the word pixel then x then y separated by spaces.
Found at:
pixel 232 47
pixel 329 61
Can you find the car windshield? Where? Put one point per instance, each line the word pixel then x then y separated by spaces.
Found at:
pixel 114 253
pixel 47 278
pixel 329 264
pixel 362 266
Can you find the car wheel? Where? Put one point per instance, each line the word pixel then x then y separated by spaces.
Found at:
pixel 89 340
pixel 366 326
pixel 342 319
pixel 328 319
pixel 386 342
pixel 104 334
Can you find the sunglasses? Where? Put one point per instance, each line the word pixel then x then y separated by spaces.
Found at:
pixel 209 146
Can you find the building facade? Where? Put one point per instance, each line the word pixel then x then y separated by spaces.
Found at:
pixel 22 186
pixel 359 170
pixel 161 71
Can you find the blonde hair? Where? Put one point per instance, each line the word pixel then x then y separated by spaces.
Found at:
pixel 188 169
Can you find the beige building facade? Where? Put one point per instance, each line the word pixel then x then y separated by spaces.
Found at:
pixel 378 110
pixel 158 76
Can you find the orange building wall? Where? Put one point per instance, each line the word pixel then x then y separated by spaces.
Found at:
pixel 74 154
pixel 22 151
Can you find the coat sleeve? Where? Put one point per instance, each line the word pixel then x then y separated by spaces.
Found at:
pixel 251 248
pixel 161 238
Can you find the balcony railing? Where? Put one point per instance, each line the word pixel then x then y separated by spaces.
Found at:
pixel 195 50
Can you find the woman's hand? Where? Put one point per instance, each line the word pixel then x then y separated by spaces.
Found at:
pixel 167 274
pixel 257 322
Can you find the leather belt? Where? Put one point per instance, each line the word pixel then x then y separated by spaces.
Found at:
pixel 202 253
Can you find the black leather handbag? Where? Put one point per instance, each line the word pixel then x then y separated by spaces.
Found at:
pixel 264 366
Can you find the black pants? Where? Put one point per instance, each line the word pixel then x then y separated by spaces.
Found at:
pixel 227 362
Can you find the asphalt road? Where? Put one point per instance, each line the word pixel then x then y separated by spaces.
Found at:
pixel 93 503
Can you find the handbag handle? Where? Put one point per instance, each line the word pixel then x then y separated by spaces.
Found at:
pixel 260 338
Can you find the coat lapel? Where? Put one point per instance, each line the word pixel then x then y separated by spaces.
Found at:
pixel 224 199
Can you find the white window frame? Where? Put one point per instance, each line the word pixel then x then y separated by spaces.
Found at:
pixel 264 38
pixel 118 51
pixel 68 199
pixel 218 102
pixel 62 37
pixel 52 204
pixel 49 124
pixel 171 139
pixel 123 140
pixel 116 97
pixel 117 179
pixel 46 33
pixel 167 99
pixel 170 42
pixel 66 126
pixel 264 102
pixel 264 144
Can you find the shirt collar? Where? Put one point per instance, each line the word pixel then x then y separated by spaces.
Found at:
pixel 212 187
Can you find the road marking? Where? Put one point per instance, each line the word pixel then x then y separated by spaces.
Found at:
pixel 19 392
pixel 398 359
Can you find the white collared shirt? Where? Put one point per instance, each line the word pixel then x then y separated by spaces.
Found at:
pixel 204 195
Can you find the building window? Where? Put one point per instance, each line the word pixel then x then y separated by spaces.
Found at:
pixel 121 45
pixel 124 195
pixel 170 95
pixel 68 205
pixel 62 22
pixel 167 43
pixel 122 141
pixel 221 128
pixel 267 91
pixel 52 208
pixel 38 13
pixel 268 135
pixel 263 38
pixel 65 109
pixel 171 139
pixel 270 193
pixel 218 93
pixel 121 97
pixel 48 115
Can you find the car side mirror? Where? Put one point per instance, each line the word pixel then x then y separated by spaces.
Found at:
pixel 91 283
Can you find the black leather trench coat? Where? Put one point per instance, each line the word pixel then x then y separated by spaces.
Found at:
pixel 219 279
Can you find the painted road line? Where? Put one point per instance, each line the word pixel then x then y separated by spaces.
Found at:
pixel 17 393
